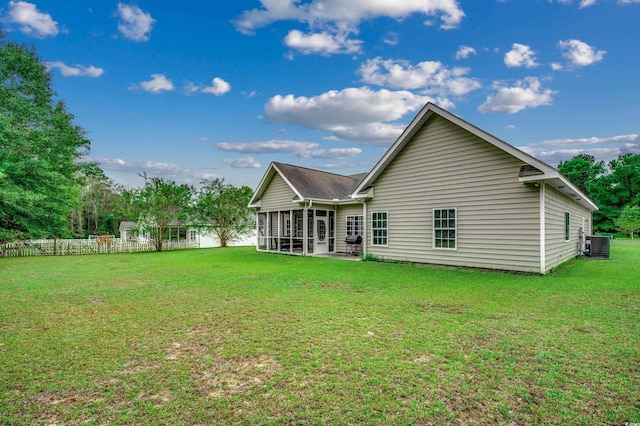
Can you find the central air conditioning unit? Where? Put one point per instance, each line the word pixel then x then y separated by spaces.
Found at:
pixel 597 247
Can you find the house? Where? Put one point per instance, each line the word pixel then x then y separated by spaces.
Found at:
pixel 190 233
pixel 446 192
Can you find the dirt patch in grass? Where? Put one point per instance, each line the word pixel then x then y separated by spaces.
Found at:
pixel 228 377
pixel 125 283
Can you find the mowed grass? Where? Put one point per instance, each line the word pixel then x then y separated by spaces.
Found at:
pixel 230 336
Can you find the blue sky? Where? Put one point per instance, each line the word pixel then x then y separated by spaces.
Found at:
pixel 221 89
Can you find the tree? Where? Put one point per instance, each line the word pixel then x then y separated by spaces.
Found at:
pixel 224 209
pixel 583 171
pixel 157 205
pixel 40 149
pixel 611 190
pixel 629 220
pixel 99 198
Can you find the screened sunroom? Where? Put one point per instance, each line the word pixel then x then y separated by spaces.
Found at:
pixel 299 231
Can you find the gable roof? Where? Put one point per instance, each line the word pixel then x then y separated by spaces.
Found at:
pixel 533 169
pixel 309 184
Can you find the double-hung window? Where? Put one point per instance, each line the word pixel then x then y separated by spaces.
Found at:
pixel 354 225
pixel 379 229
pixel 445 227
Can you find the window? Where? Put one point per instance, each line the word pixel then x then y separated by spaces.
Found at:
pixel 567 226
pixel 379 228
pixel 193 234
pixel 354 225
pixel 444 228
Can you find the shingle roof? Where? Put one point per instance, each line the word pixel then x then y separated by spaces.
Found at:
pixel 316 184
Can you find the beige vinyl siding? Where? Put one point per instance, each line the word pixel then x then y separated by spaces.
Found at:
pixel 341 224
pixel 445 166
pixel 556 205
pixel 278 196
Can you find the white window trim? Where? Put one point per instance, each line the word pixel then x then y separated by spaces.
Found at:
pixel 373 229
pixel 567 228
pixel 355 219
pixel 433 233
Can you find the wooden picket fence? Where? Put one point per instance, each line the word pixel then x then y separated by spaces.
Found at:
pixel 88 246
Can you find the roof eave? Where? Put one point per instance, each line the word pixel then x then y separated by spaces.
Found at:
pixel 562 184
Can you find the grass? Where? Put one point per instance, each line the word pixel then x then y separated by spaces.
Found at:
pixel 230 336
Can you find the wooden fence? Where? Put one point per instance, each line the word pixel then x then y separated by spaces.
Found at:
pixel 91 246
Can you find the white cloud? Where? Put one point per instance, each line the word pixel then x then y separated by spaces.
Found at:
pixel 134 24
pixel 356 114
pixel 170 171
pixel 583 3
pixel 32 21
pixel 242 163
pixel 602 148
pixel 296 148
pixel 624 139
pixel 527 93
pixel 267 147
pixel 339 13
pixel 322 43
pixel 579 53
pixel 392 38
pixel 431 76
pixel 332 153
pixel 158 83
pixel 464 52
pixel 218 87
pixel 76 71
pixel 587 3
pixel 520 55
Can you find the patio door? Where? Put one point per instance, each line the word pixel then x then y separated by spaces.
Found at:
pixel 321 240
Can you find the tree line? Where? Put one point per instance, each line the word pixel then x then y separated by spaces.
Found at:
pixel 48 189
pixel 613 186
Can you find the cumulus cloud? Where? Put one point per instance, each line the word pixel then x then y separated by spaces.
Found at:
pixel 242 163
pixel 579 53
pixel 620 139
pixel 602 148
pixel 341 14
pixel 218 87
pixel 170 171
pixel 520 55
pixel 355 114
pixel 464 52
pixel 296 148
pixel 31 20
pixel 322 43
pixel 431 76
pixel 133 23
pixel 267 147
pixel 75 71
pixel 330 153
pixel 158 83
pixel 527 93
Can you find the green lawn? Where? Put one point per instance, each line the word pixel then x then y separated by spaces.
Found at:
pixel 222 336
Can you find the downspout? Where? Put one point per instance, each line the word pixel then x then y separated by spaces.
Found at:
pixel 364 227
pixel 305 229
pixel 543 231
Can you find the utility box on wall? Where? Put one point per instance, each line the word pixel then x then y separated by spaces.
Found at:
pixel 598 247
